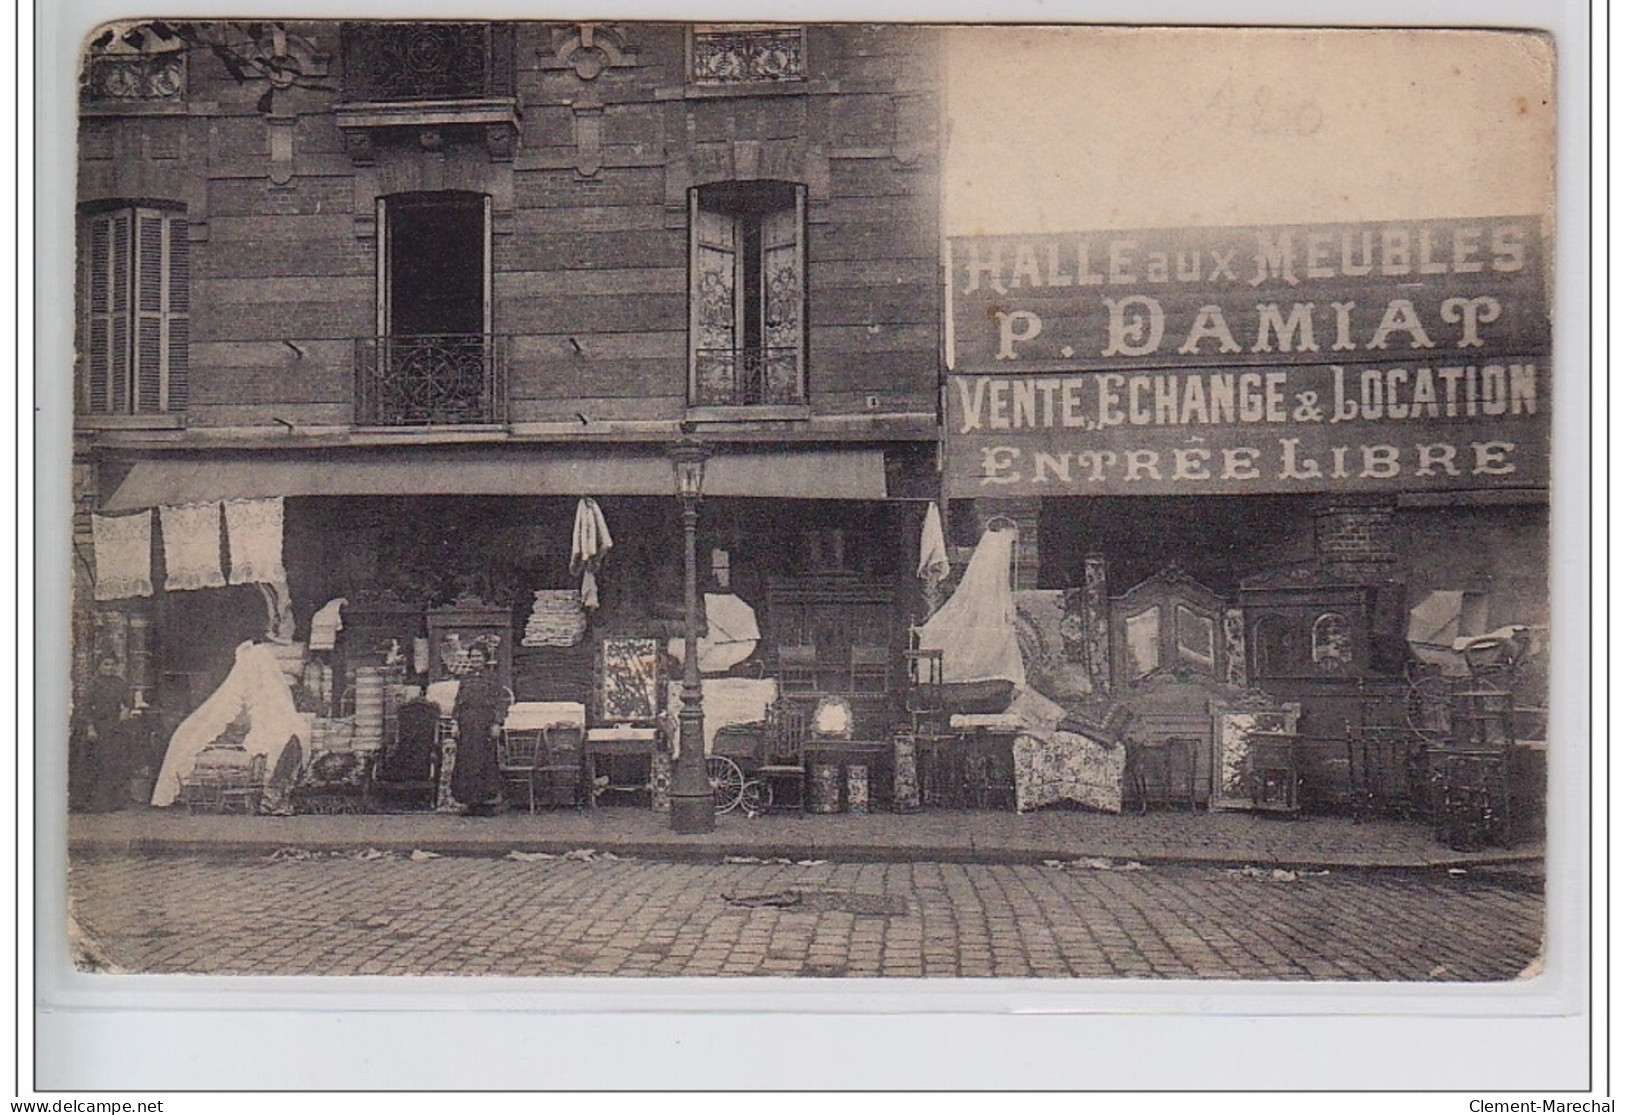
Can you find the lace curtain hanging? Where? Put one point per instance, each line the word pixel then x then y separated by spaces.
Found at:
pixel 192 546
pixel 254 537
pixel 123 555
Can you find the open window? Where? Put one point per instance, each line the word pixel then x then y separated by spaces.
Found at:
pixel 747 326
pixel 434 360
pixel 134 298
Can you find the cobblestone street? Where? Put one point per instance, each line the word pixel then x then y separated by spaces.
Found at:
pixel 592 914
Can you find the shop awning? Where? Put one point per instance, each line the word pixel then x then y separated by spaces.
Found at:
pixel 774 473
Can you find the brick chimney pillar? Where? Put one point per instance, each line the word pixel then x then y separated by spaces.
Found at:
pixel 1355 541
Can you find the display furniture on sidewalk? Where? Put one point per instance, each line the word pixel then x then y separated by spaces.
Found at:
pixel 407 771
pixel 1255 763
pixel 1162 771
pixel 619 751
pixel 1168 621
pixel 335 782
pixel 782 768
pixel 541 748
pixel 1387 771
pixel 223 780
pixel 606 753
pixel 973 766
pixel 1470 796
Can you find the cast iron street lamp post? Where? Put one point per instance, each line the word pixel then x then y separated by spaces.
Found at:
pixel 692 807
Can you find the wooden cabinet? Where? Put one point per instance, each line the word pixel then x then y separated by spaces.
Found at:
pixel 456 630
pixel 1301 626
pixel 833 613
pixel 1167 622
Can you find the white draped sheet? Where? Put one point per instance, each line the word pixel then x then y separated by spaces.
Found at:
pixel 257 688
pixel 976 628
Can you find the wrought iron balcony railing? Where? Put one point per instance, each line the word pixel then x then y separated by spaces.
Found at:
pixel 428 61
pixel 446 379
pixel 747 377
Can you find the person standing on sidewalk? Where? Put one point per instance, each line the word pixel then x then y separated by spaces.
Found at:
pixel 99 763
pixel 482 704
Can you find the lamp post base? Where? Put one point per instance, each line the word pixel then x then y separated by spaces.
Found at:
pixel 691 815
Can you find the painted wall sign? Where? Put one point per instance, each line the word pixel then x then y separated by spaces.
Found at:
pixel 1305 358
pixel 1260 429
pixel 1247 296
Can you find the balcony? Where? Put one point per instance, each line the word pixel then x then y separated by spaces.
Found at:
pixel 449 379
pixel 427 61
pixel 427 79
pixel 747 377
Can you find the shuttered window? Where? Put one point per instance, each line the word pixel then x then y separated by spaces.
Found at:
pixel 747 268
pixel 135 276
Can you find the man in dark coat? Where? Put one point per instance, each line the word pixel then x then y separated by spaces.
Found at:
pixel 482 705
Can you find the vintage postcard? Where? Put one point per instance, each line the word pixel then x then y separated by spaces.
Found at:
pixel 642 499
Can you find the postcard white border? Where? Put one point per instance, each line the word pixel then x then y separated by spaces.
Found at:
pixel 173 1033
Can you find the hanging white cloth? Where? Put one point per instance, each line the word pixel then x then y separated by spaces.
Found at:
pixel 589 542
pixel 933 568
pixel 279 625
pixel 254 538
pixel 123 555
pixel 192 546
pixel 326 623
pixel 976 628
pixel 933 549
pixel 256 688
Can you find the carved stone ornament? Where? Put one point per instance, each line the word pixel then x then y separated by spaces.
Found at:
pixel 588 49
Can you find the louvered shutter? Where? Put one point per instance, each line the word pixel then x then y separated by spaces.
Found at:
pixel 149 311
pixel 178 315
pixel 97 353
pixel 118 401
pixel 136 278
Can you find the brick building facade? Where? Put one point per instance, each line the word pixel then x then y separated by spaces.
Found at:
pixel 433 283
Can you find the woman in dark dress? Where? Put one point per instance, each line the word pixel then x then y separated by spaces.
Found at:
pixel 482 705
pixel 99 765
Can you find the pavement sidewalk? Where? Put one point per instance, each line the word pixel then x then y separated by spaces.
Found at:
pixel 1236 839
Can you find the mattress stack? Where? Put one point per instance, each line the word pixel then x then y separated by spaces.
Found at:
pixel 557 619
pixel 369 707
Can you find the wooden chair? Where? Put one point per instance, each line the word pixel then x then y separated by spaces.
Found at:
pixel 798 669
pixel 409 766
pixel 1155 775
pixel 1387 774
pixel 784 760
pixel 1272 769
pixel 923 699
pixel 532 756
pixel 870 670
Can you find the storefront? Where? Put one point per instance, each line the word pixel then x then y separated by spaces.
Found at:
pixel 393 566
pixel 1275 468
